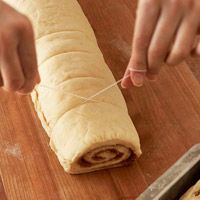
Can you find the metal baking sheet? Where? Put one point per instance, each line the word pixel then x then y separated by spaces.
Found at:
pixel 177 179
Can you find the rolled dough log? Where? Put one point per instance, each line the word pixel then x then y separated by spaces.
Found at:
pixel 193 193
pixel 85 136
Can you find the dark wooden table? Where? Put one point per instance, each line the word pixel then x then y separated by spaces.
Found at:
pixel 166 114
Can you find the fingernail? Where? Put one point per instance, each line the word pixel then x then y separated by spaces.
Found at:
pixel 122 85
pixel 138 79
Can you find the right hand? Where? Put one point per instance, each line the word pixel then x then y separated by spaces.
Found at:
pixel 18 63
pixel 164 35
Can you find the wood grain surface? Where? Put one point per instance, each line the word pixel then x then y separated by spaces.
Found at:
pixel 166 114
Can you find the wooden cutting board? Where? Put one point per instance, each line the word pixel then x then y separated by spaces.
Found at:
pixel 166 114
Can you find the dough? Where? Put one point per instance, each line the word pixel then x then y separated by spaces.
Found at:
pixel 85 136
pixel 193 193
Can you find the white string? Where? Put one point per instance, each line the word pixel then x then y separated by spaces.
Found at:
pixel 105 89
pixel 138 70
pixel 91 97
pixel 72 94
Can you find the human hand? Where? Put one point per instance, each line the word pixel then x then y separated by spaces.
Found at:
pixel 18 63
pixel 165 33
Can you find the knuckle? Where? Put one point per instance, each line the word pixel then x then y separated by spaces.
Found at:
pixel 22 23
pixel 11 31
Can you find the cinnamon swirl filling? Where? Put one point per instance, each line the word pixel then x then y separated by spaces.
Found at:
pixel 106 156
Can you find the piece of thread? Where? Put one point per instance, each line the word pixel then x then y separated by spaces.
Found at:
pixel 105 89
pixel 138 70
pixel 91 98
pixel 72 94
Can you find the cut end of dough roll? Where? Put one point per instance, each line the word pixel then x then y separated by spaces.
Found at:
pixel 84 141
pixel 102 157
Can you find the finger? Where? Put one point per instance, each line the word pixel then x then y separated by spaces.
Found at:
pixel 162 39
pixel 185 39
pixel 147 17
pixel 11 72
pixel 27 55
pixel 126 82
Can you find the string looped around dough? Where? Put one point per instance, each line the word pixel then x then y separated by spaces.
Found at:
pixel 91 98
